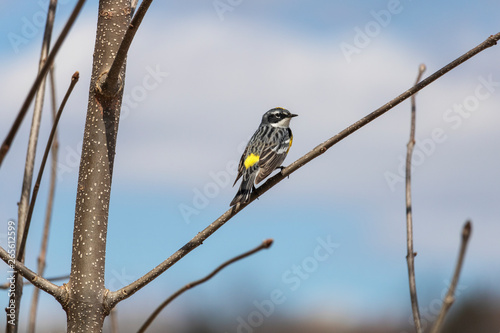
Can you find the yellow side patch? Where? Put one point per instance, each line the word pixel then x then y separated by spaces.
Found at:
pixel 251 160
pixel 290 144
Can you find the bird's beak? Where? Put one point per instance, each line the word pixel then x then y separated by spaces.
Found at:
pixel 293 115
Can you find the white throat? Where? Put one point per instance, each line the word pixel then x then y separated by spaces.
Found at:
pixel 283 123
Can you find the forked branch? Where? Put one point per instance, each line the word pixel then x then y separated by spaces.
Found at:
pixel 110 84
pixel 18 267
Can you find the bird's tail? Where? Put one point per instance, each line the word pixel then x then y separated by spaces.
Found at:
pixel 245 190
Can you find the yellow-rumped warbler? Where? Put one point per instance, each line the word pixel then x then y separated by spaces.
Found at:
pixel 265 151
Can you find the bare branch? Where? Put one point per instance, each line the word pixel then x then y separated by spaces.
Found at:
pixel 12 326
pixel 6 285
pixel 22 246
pixel 109 84
pixel 18 267
pixel 450 295
pixel 114 297
pixel 4 149
pixel 410 256
pixel 265 245
pixel 48 213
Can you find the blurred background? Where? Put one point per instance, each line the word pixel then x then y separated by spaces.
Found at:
pixel 200 74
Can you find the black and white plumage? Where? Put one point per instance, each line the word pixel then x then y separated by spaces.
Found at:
pixel 265 151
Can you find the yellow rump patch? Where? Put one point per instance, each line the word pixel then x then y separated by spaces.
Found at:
pixel 251 160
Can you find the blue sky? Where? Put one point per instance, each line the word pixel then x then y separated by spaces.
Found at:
pixel 198 82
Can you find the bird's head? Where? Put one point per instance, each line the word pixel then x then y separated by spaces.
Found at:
pixel 277 117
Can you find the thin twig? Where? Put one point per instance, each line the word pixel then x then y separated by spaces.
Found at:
pixel 410 256
pixel 22 246
pixel 35 124
pixel 48 213
pixel 6 285
pixel 450 296
pixel 116 296
pixel 4 149
pixel 18 267
pixel 265 245
pixel 12 326
pixel 110 83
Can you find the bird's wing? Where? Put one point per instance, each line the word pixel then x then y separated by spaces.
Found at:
pixel 271 157
pixel 254 150
pixel 241 166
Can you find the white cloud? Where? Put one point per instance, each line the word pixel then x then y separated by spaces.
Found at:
pixel 222 76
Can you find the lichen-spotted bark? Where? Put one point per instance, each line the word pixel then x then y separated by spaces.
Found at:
pixel 85 308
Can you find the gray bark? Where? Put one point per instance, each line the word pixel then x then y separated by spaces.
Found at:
pixel 85 306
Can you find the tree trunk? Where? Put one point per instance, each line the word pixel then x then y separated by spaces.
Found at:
pixel 85 307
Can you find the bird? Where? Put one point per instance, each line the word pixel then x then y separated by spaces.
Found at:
pixel 265 152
